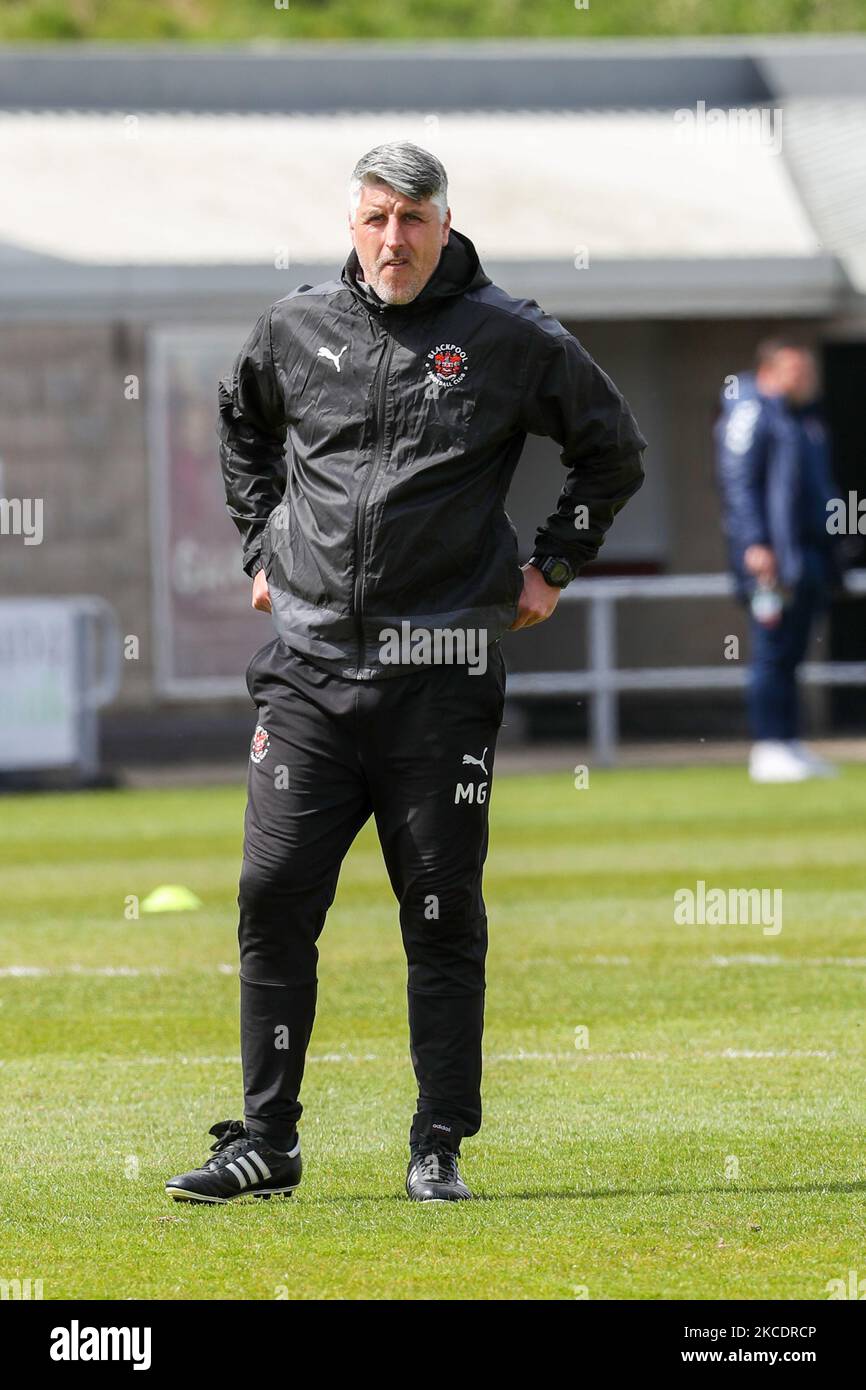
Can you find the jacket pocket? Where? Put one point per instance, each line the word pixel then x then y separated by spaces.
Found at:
pixel 278 547
pixel 253 670
pixel 497 662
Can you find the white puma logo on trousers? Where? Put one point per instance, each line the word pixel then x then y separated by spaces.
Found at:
pixel 479 762
pixel 332 357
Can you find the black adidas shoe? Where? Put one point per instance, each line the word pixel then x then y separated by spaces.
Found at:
pixel 433 1174
pixel 244 1166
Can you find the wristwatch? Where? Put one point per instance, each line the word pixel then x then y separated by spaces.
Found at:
pixel 555 571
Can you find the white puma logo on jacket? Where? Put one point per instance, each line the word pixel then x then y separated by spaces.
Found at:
pixel 331 356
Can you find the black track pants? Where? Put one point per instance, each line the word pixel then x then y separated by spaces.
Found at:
pixel 416 750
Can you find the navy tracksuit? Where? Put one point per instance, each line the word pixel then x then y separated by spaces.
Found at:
pixel 774 473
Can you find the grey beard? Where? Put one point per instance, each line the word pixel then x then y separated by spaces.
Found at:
pixel 388 297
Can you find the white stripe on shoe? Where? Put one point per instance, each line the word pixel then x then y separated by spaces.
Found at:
pixel 243 1162
pixel 258 1161
pixel 238 1174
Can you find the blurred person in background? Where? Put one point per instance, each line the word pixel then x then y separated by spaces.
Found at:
pixel 774 474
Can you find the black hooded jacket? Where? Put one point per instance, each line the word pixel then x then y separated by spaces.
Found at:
pixel 405 424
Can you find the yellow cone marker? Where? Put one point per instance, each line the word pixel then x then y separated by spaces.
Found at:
pixel 171 897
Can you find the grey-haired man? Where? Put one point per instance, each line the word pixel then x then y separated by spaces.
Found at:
pixel 383 551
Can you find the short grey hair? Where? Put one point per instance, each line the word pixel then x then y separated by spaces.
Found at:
pixel 407 169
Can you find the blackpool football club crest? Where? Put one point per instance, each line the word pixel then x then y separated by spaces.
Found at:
pixel 446 364
pixel 259 746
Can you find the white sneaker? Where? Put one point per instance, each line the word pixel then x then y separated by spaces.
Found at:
pixel 819 766
pixel 771 760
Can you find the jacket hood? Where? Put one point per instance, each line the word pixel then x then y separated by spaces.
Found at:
pixel 459 270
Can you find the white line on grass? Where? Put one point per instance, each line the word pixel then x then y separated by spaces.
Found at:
pixel 40 971
pixel 847 962
pixel 339 1058
pixel 24 972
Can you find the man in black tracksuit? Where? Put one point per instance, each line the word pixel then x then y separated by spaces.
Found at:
pixel 406 389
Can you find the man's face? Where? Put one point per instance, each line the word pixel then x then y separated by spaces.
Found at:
pixel 398 241
pixel 794 375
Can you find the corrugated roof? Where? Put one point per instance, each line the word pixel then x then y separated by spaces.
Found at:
pixel 825 146
pixel 105 189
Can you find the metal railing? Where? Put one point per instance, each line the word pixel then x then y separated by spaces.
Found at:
pixel 604 682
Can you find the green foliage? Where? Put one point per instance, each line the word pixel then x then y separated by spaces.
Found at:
pixel 220 21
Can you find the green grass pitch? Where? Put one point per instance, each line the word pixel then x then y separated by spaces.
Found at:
pixel 708 1143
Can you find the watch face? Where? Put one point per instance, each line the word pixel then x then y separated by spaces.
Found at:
pixel 558 571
